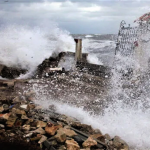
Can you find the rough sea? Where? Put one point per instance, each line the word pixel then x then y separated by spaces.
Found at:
pixel 128 114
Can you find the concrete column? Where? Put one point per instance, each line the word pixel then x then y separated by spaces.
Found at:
pixel 78 54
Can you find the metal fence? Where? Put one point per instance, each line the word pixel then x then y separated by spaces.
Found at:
pixel 130 37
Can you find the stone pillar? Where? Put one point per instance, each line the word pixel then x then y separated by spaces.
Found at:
pixel 78 54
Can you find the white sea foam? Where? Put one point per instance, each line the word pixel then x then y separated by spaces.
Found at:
pixel 89 36
pixel 93 59
pixel 131 124
pixel 26 47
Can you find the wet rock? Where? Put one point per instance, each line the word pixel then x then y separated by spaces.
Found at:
pixel 90 149
pixel 60 137
pixel 43 138
pixel 4 117
pixel 97 131
pixel 2 126
pixel 38 108
pixel 52 108
pixel 68 132
pixel 39 130
pixel 107 136
pixel 83 127
pixel 68 119
pixel 28 135
pixel 18 123
pixel 30 93
pixel 6 107
pixel 41 124
pixel 2 131
pixel 38 137
pixel 11 121
pixel 51 129
pixel 26 127
pixel 119 143
pixel 72 145
pixel 24 117
pixel 11 134
pixel 16 100
pixel 62 148
pixel 78 139
pixel 52 141
pixel 89 142
pixel 18 111
pixel 99 137
pixel 31 106
pixel 1 109
pixel 24 107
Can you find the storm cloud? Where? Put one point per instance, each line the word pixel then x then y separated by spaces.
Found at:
pixel 76 16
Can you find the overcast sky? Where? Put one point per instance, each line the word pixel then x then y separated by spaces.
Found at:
pixel 76 16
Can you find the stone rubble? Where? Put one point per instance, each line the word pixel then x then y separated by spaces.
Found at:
pixel 26 120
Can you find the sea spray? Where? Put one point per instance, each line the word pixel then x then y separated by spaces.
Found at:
pixel 127 113
pixel 26 47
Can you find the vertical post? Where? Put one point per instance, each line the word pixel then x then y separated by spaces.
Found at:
pixel 78 54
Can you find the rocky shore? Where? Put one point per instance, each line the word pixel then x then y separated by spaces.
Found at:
pixel 24 124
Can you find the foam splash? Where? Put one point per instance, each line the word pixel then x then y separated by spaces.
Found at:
pixel 25 47
pixel 131 124
pixel 93 59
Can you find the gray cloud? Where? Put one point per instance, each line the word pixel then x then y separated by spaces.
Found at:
pixel 97 16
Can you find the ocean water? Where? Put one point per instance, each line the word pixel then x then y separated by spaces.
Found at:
pixel 126 116
pixel 100 48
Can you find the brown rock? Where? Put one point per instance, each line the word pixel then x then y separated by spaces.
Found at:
pixel 119 143
pixel 98 137
pixel 11 134
pixel 97 131
pixel 68 119
pixel 26 127
pixel 51 130
pixel 18 123
pixel 89 142
pixel 5 116
pixel 107 136
pixel 68 132
pixel 31 106
pixel 11 121
pixel 43 138
pixel 16 100
pixel 41 124
pixel 2 126
pixel 28 135
pixel 38 137
pixel 18 111
pixel 5 107
pixel 60 137
pixel 39 130
pixel 62 148
pixel 72 145
pixel 1 109
pixel 2 131
pixel 83 127
pixel 24 117
pixel 38 108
